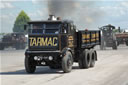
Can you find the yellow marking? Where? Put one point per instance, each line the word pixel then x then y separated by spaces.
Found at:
pixel 54 38
pixel 97 34
pixel 34 41
pixel 97 38
pixel 85 36
pixel 70 38
pixel 50 41
pixel 70 41
pixel 93 35
pixel 41 41
pixel 31 41
pixel 93 40
pixel 85 41
pixel 38 41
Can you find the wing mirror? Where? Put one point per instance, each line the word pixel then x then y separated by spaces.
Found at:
pixel 25 27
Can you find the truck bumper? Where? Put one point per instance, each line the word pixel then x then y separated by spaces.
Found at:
pixel 40 52
pixel 44 56
pixel 27 52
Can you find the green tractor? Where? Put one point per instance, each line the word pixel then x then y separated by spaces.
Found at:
pixel 108 38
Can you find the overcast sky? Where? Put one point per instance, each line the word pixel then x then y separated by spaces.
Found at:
pixel 96 13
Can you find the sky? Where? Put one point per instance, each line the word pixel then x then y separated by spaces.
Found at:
pixel 89 14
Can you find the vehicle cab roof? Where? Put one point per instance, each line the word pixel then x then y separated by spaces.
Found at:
pixel 50 21
pixel 109 26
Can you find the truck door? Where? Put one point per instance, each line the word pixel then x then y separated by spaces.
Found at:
pixel 71 36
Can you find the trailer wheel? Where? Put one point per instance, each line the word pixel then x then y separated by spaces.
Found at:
pixel 118 43
pixel 84 61
pixel 127 43
pixel 114 45
pixel 1 47
pixel 93 58
pixel 67 62
pixel 30 65
pixel 103 44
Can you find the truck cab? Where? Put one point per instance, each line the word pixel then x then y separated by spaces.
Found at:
pixel 48 40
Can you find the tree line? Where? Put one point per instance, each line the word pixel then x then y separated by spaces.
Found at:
pixel 20 21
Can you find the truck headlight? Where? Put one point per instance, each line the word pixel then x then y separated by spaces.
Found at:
pixel 35 58
pixel 50 58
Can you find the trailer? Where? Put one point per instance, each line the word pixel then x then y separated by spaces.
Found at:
pixel 58 44
pixel 122 38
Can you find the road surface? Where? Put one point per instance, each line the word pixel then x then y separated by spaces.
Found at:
pixel 111 69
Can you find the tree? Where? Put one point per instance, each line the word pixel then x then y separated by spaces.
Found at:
pixel 21 20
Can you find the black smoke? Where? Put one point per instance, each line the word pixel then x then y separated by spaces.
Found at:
pixel 85 13
pixel 61 8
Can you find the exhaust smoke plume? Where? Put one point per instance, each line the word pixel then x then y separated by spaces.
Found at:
pixel 83 13
pixel 61 7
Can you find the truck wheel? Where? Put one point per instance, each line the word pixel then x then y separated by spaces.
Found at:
pixel 67 62
pixel 30 65
pixel 84 61
pixel 114 45
pixel 118 43
pixel 93 58
pixel 126 43
pixel 1 47
pixel 103 45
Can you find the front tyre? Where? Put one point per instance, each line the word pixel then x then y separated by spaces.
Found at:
pixel 127 43
pixel 67 62
pixel 114 45
pixel 30 66
pixel 1 47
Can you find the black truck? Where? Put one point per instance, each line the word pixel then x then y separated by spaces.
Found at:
pixel 57 44
pixel 108 38
pixel 14 40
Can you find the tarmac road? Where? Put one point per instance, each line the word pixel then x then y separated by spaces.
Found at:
pixel 111 69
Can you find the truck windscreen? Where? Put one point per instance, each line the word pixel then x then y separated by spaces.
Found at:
pixel 46 28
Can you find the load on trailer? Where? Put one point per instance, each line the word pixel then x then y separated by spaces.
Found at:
pixel 57 44
pixel 122 38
